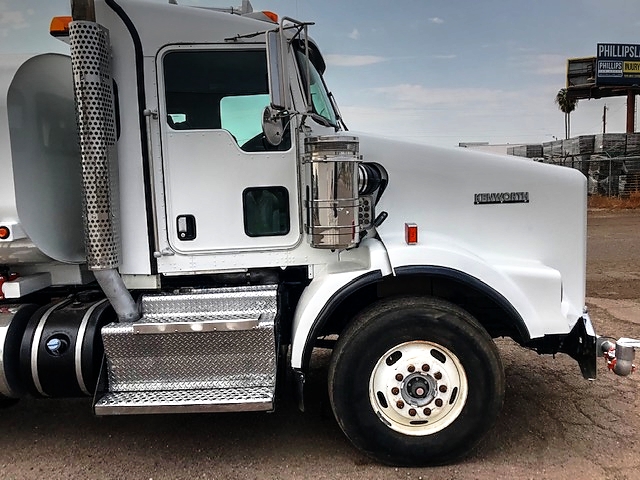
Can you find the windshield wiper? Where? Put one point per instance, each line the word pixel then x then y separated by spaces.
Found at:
pixel 334 104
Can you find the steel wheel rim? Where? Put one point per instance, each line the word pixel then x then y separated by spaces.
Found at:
pixel 418 388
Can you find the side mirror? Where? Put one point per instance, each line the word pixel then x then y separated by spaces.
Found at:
pixel 272 126
pixel 278 77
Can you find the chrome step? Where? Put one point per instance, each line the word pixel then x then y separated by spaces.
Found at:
pixel 205 346
pixel 186 401
pixel 228 301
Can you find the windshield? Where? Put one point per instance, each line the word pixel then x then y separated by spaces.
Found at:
pixel 320 100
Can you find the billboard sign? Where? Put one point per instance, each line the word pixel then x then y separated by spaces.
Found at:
pixel 581 72
pixel 618 64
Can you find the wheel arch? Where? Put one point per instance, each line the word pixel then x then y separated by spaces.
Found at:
pixel 492 310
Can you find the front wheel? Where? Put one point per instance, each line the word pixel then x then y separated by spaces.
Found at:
pixel 415 381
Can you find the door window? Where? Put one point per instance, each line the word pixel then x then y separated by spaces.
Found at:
pixel 223 89
pixel 266 211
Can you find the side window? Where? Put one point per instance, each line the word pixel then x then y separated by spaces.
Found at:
pixel 266 211
pixel 241 115
pixel 223 89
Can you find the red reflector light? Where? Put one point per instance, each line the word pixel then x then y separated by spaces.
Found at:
pixel 4 233
pixel 411 233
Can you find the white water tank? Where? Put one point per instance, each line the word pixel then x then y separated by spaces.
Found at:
pixel 40 198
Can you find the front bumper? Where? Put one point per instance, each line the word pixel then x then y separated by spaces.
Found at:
pixel 580 344
pixel 583 345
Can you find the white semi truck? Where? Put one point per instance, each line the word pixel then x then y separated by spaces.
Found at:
pixel 184 217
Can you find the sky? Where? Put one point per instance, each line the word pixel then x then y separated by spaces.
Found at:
pixel 430 71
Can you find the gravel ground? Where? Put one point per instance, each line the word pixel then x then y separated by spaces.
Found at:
pixel 554 425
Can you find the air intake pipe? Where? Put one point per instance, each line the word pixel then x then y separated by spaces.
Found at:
pixel 333 197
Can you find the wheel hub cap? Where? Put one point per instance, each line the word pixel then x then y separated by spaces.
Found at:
pixel 418 388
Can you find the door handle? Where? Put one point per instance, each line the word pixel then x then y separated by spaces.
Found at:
pixel 186 227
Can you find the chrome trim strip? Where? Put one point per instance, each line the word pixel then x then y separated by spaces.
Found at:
pixel 79 341
pixel 197 326
pixel 36 341
pixel 244 399
pixel 187 408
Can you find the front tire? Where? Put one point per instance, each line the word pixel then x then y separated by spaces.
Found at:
pixel 415 381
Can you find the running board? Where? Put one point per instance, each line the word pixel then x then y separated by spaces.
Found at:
pixel 186 401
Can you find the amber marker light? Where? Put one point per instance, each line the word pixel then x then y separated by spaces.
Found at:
pixel 59 26
pixel 271 16
pixel 411 233
pixel 4 233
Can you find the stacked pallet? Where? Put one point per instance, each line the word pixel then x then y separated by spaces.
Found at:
pixel 610 161
pixel 633 144
pixel 527 151
pixel 581 145
pixel 611 144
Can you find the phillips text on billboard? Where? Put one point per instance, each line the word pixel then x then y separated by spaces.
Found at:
pixel 618 64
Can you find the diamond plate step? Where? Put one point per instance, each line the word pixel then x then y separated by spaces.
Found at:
pixel 226 302
pixel 186 401
pixel 198 345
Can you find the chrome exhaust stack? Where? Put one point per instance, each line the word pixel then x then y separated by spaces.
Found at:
pixel 91 65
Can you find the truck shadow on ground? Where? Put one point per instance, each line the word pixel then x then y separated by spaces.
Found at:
pixel 549 411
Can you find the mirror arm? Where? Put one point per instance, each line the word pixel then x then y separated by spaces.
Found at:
pixel 302 27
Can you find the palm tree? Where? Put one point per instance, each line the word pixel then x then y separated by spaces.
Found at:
pixel 566 105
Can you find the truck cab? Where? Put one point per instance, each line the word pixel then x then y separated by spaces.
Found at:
pixel 231 224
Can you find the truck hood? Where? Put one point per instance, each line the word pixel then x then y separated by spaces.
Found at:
pixel 501 209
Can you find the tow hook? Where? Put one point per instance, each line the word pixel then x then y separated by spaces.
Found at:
pixel 619 355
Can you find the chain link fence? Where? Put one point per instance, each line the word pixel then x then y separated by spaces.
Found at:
pixel 610 176
pixel 610 161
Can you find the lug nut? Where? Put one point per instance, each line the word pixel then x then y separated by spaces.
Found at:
pixel 442 388
pixel 400 404
pixel 395 390
pixel 438 402
pixel 438 375
pixel 425 368
pixel 412 412
pixel 399 377
pixel 411 368
pixel 427 411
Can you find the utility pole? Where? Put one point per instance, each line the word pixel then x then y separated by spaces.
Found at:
pixel 604 119
pixel 631 111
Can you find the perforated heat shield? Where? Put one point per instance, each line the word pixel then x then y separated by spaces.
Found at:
pixel 91 64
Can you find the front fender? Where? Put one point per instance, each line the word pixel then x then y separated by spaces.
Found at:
pixel 531 288
pixel 368 262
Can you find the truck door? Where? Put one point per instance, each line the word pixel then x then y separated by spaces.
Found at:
pixel 226 189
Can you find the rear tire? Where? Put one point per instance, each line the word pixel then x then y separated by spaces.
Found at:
pixel 415 381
